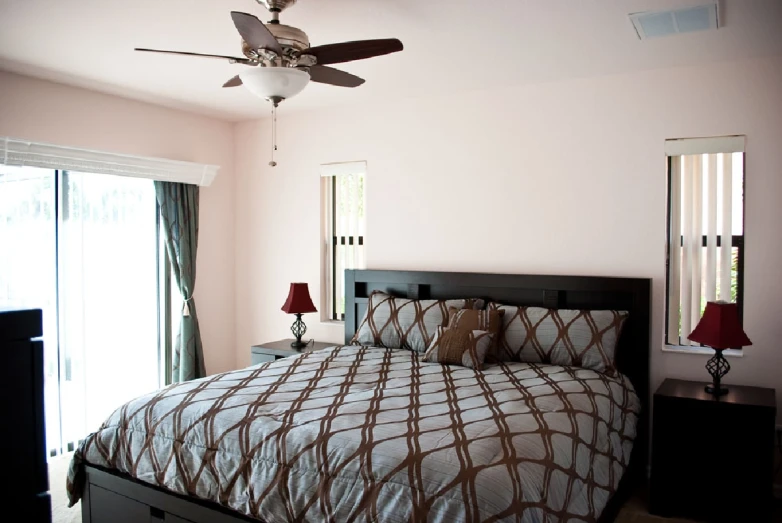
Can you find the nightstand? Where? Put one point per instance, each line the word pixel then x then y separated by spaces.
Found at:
pixel 712 458
pixel 275 350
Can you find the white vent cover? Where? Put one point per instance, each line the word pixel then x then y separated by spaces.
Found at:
pixel 652 24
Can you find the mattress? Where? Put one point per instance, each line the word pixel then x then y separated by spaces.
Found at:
pixel 373 434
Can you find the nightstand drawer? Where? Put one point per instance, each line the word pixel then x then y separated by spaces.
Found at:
pixel 274 350
pixel 261 358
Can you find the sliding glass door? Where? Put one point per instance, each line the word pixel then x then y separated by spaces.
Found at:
pixel 108 289
pixel 84 248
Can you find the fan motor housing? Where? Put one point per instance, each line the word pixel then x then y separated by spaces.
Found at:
pixel 290 36
pixel 277 5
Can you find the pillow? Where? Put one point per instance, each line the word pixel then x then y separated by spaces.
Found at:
pixel 581 338
pixel 483 320
pixel 459 347
pixel 401 323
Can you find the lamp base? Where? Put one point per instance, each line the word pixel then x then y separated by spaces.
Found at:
pixel 716 391
pixel 298 329
pixel 718 367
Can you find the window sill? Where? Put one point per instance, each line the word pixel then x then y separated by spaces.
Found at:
pixel 703 351
pixel 332 322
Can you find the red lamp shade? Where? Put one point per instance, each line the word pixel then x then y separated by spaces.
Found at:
pixel 299 301
pixel 719 327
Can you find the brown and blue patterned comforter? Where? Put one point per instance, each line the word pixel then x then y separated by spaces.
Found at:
pixel 368 434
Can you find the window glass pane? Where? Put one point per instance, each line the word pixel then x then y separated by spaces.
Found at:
pixel 349 226
pixel 28 267
pixel 108 296
pixel 704 257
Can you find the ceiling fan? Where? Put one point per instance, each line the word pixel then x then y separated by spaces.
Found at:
pixel 281 60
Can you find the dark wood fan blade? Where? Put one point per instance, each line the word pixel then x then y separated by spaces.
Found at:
pixel 255 33
pixel 220 56
pixel 331 76
pixel 349 51
pixel 236 81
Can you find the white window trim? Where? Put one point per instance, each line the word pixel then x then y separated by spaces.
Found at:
pixel 48 156
pixel 702 351
pixel 338 169
pixel 713 145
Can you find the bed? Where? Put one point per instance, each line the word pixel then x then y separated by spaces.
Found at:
pixel 361 433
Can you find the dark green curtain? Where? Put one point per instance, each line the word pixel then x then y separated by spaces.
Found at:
pixel 179 215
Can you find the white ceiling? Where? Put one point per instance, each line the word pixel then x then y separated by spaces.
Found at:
pixel 450 45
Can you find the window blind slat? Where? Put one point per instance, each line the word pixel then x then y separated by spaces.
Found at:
pixel 687 258
pixel 696 240
pixel 727 227
pixel 328 245
pixel 675 251
pixel 711 230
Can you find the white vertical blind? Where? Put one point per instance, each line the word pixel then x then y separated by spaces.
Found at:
pixel 696 239
pixel 705 190
pixel 675 247
pixel 687 259
pixel 727 226
pixel 711 228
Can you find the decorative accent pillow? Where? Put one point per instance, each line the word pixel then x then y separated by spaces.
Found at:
pixel 581 338
pixel 459 347
pixel 401 323
pixel 482 320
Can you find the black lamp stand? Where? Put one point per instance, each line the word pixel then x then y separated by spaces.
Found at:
pixel 717 366
pixel 298 329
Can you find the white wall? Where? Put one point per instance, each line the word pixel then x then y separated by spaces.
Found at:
pixel 53 113
pixel 561 178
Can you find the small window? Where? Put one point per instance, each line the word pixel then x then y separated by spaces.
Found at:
pixel 344 231
pixel 705 230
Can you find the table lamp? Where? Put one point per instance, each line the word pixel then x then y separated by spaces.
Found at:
pixel 298 303
pixel 720 329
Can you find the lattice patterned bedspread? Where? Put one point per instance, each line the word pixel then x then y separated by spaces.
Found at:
pixel 368 434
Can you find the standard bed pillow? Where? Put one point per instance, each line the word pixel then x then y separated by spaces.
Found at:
pixel 452 346
pixel 581 338
pixel 401 323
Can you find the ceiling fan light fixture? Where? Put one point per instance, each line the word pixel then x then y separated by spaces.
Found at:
pixel 275 83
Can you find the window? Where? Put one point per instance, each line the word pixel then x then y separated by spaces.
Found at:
pixel 344 231
pixel 705 230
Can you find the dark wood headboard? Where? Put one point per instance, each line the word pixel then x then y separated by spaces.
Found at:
pixel 556 292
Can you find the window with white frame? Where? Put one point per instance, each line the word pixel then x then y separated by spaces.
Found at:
pixel 705 230
pixel 343 202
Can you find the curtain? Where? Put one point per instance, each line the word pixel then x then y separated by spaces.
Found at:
pixel 179 215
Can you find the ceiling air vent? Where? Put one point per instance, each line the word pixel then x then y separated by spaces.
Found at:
pixel 651 24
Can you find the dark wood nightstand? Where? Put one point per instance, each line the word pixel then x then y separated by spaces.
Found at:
pixel 712 459
pixel 275 350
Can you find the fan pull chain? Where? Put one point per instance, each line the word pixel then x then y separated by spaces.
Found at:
pixel 274 134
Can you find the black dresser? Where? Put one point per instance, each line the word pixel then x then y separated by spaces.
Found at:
pixel 713 458
pixel 23 438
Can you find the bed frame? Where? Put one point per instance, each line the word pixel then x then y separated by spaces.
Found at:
pixel 111 497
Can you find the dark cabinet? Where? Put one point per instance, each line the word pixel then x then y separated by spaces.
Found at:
pixel 23 438
pixel 712 458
